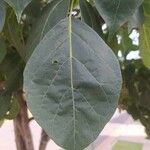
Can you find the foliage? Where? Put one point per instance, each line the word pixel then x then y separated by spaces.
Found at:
pixel 135 94
pixel 144 34
pixel 72 78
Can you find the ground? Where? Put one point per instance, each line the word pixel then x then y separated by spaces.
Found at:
pixel 121 131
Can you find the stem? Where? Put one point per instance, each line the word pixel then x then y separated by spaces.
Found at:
pixel 44 140
pixel 20 145
pixel 21 125
pixel 71 9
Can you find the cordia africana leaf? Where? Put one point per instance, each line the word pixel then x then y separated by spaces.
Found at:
pixel 72 83
pixel 90 16
pixel 5 98
pixel 51 15
pixel 3 49
pixel 12 69
pixel 136 20
pixel 145 35
pixel 116 12
pixel 2 14
pixel 18 6
pixel 14 109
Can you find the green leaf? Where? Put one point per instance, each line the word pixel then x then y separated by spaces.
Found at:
pixel 144 99
pixel 72 83
pixel 12 68
pixel 18 6
pixel 113 43
pixel 49 1
pixel 52 14
pixel 126 44
pixel 136 20
pixel 5 98
pixel 32 13
pixel 13 32
pixel 2 14
pixel 91 17
pixel 145 35
pixel 3 50
pixel 116 13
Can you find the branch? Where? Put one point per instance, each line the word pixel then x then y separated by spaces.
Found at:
pixel 30 119
pixel 23 121
pixel 44 140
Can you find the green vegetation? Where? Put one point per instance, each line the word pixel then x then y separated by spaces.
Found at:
pixel 60 59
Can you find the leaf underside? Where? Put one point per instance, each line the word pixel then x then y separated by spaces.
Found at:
pixel 136 20
pixel 12 68
pixel 2 14
pixel 3 50
pixel 18 6
pixel 52 14
pixel 72 83
pixel 90 16
pixel 116 13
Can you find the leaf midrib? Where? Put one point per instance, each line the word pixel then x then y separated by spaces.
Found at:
pixel 71 76
pixel 71 71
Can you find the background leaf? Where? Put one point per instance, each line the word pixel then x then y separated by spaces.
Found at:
pixel 32 12
pixel 52 14
pixel 136 20
pixel 5 98
pixel 116 13
pixel 2 14
pixel 91 17
pixel 126 44
pixel 13 32
pixel 3 49
pixel 13 110
pixel 12 69
pixel 145 35
pixel 72 83
pixel 18 6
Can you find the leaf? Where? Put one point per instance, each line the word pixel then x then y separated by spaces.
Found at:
pixel 113 43
pixel 32 13
pixel 91 17
pixel 145 35
pixel 13 32
pixel 2 14
pixel 49 1
pixel 12 68
pixel 72 83
pixel 126 44
pixel 52 14
pixel 18 6
pixel 5 98
pixel 116 12
pixel 136 20
pixel 3 50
